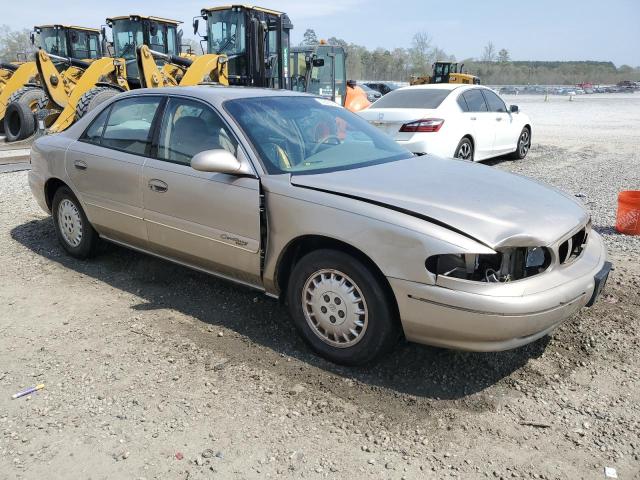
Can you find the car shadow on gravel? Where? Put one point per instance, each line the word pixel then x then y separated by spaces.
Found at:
pixel 425 372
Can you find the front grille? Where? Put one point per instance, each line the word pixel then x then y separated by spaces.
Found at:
pixel 572 248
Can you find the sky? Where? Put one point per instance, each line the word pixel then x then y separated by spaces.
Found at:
pixel 529 30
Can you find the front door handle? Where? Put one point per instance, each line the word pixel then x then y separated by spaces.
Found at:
pixel 159 186
pixel 473 118
pixel 80 165
pixel 499 119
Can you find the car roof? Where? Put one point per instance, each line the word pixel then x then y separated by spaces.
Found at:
pixel 217 94
pixel 439 86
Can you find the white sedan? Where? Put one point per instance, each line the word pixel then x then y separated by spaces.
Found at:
pixel 470 122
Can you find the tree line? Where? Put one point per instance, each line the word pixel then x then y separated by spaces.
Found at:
pixel 494 66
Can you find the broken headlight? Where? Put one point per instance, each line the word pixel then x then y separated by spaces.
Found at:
pixel 504 266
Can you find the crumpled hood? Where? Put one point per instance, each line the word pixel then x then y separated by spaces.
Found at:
pixel 495 207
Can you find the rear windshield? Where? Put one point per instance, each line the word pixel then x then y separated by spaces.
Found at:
pixel 413 98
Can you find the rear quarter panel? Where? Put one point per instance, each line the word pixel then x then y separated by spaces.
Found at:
pixel 47 162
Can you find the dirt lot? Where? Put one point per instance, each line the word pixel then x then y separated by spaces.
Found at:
pixel 155 371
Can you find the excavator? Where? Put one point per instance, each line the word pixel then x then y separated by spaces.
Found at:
pixel 446 72
pixel 21 89
pixel 145 53
pixel 321 69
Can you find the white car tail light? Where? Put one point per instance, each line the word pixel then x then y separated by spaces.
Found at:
pixel 425 125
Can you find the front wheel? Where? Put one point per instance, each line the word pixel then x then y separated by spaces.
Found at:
pixel 342 308
pixel 464 151
pixel 74 232
pixel 524 144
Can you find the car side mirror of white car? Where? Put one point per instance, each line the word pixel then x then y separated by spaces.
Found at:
pixel 219 161
pixel 514 109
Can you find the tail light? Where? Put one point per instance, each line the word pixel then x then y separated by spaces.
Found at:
pixel 425 125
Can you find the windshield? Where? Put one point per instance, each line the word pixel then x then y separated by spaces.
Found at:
pixel 311 135
pixel 127 35
pixel 413 98
pixel 322 77
pixel 84 45
pixel 54 41
pixel 226 32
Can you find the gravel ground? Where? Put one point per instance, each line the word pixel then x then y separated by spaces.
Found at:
pixel 155 371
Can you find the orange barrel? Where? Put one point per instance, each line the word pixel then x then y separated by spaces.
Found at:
pixel 628 220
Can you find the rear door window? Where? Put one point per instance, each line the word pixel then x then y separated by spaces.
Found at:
pixel 93 134
pixel 414 98
pixel 494 102
pixel 475 100
pixel 462 103
pixel 129 126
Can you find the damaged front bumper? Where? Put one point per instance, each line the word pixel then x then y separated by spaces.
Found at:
pixel 500 317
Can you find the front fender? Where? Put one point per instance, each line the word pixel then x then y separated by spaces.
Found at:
pixel 397 243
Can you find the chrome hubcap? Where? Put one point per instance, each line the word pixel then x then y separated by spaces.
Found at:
pixel 523 145
pixel 335 308
pixel 465 151
pixel 70 222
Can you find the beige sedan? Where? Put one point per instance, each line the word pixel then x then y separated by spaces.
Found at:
pixel 295 196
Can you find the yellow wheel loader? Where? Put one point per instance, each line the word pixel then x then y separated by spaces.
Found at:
pixel 446 72
pixel 20 87
pixel 257 43
pixel 13 77
pixel 134 65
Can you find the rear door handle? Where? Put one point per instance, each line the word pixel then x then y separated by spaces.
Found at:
pixel 80 165
pixel 498 119
pixel 473 118
pixel 159 186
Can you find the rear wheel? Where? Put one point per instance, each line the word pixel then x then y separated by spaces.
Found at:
pixel 92 98
pixel 464 151
pixel 524 144
pixel 19 119
pixel 74 232
pixel 341 308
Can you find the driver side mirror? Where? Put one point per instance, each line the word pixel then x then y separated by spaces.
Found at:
pixel 318 62
pixel 196 24
pixel 219 161
pixel 32 37
pixel 514 109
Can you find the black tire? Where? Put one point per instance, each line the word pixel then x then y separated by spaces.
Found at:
pixel 379 331
pixel 19 122
pixel 88 241
pixel 464 150
pixel 524 145
pixel 19 119
pixel 29 96
pixel 92 98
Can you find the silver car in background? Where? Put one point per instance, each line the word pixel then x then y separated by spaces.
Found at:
pixel 297 197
